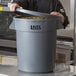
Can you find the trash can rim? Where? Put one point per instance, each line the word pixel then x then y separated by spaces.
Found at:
pixel 53 18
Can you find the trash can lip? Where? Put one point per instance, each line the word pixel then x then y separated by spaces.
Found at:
pixel 19 18
pixel 28 20
pixel 51 17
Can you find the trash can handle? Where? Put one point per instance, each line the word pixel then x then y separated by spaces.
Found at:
pixel 32 12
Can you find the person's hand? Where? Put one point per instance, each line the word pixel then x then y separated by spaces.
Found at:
pixel 58 14
pixel 13 6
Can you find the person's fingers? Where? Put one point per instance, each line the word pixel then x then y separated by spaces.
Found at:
pixel 14 6
pixel 58 14
pixel 20 7
pixel 54 13
pixel 62 18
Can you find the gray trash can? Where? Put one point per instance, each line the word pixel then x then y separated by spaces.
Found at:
pixel 36 44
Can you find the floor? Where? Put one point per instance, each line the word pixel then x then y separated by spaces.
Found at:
pixel 8 66
pixel 13 71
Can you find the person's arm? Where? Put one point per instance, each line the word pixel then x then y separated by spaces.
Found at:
pixel 57 7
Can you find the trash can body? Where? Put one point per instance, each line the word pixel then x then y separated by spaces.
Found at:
pixel 36 44
pixel 36 51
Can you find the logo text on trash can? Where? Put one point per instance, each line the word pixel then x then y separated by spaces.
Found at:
pixel 35 27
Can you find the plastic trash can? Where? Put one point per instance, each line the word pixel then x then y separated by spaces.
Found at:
pixel 36 43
